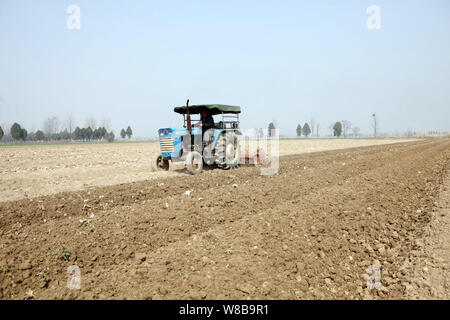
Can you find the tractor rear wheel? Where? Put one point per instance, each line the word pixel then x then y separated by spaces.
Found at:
pixel 194 162
pixel 227 151
pixel 160 164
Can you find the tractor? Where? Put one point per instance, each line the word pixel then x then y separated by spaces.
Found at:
pixel 192 146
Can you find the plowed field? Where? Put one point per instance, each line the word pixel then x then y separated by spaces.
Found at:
pixel 308 232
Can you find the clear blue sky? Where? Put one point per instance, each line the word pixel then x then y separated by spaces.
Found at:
pixel 288 61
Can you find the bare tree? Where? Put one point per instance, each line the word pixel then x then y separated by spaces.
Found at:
pixel 313 126
pixel 6 128
pixel 356 131
pixel 91 122
pixel 346 125
pixel 48 127
pixel 70 123
pixel 317 129
pixel 409 133
pixel 331 128
pixel 57 125
pixel 51 126
pixel 374 125
pixel 106 123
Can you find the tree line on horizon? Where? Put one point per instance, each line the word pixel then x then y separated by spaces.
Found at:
pixel 52 131
pixel 338 129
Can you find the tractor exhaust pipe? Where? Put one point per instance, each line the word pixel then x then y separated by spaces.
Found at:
pixel 189 127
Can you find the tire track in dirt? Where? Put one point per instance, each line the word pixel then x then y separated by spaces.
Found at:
pixel 320 177
pixel 428 264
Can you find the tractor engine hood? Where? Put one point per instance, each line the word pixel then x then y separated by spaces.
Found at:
pixel 172 132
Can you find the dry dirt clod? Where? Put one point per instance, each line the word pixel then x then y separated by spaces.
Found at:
pixel 26 265
pixel 140 257
pixel 245 288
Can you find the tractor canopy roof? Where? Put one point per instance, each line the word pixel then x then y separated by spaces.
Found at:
pixel 212 108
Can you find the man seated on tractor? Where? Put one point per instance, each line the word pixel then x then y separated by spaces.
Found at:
pixel 206 122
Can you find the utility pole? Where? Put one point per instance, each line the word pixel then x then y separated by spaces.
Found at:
pixel 374 125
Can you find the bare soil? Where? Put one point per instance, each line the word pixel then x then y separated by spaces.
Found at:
pixel 308 232
pixel 34 170
pixel 428 263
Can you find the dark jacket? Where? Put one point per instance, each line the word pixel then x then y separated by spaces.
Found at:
pixel 208 122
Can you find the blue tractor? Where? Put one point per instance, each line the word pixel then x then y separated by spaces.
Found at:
pixel 201 141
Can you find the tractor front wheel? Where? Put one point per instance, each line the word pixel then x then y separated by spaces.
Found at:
pixel 194 162
pixel 160 164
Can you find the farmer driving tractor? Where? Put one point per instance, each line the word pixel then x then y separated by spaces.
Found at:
pixel 206 122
